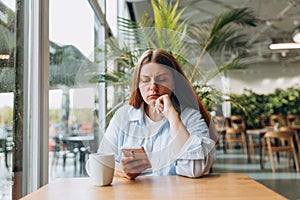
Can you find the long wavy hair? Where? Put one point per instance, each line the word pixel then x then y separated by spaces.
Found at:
pixel 183 94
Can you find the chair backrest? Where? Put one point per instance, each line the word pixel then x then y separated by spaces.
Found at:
pixel 238 122
pixel 286 135
pixel 286 128
pixel 220 122
pixel 290 119
pixel 230 131
pixel 277 119
pixel 264 120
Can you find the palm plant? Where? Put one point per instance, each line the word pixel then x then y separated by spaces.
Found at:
pixel 166 31
pixel 224 34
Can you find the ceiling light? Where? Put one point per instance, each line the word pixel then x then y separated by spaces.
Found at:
pixel 296 35
pixel 284 46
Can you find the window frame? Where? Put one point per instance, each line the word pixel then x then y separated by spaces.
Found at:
pixel 36 95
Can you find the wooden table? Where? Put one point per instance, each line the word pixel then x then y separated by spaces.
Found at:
pixel 214 186
pixel 260 134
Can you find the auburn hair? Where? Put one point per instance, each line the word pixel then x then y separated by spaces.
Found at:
pixel 183 93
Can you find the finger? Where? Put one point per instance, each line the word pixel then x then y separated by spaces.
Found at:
pixel 129 165
pixel 138 169
pixel 131 176
pixel 160 109
pixel 160 100
pixel 126 159
pixel 159 104
pixel 136 166
pixel 152 103
pixel 137 163
pixel 166 100
pixel 143 167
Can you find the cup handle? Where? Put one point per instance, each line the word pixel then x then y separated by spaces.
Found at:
pixel 87 167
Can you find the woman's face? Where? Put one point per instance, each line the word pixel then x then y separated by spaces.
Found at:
pixel 155 80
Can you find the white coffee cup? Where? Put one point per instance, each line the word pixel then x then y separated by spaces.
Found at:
pixel 100 167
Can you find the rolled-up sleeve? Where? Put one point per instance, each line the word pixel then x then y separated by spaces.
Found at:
pixel 198 153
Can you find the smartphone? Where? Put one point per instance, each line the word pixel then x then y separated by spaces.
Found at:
pixel 136 152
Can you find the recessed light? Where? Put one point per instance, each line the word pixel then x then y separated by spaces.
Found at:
pixel 284 46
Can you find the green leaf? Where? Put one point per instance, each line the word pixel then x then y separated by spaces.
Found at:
pixel 241 16
pixel 232 65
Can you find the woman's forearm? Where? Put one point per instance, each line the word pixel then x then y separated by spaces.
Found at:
pixel 178 132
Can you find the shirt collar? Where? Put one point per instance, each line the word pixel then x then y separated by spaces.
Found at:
pixel 136 114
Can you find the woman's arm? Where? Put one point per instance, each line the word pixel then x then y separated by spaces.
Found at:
pixel 195 168
pixel 128 167
pixel 198 153
pixel 178 131
pixel 194 150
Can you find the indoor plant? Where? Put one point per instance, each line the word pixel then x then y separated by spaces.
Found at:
pixel 216 36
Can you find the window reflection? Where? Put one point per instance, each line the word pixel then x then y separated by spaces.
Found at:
pixel 72 107
pixel 7 82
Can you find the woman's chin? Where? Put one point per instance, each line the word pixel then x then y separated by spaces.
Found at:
pixel 152 103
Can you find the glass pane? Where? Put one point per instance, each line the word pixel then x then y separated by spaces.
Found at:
pixel 7 76
pixel 7 82
pixel 72 106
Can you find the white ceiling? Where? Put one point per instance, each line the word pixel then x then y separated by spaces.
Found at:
pixel 277 20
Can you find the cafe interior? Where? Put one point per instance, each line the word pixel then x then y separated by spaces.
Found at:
pixel 64 72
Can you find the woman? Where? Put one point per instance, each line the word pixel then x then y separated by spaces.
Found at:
pixel 165 117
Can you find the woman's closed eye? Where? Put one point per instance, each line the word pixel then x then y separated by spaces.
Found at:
pixel 161 79
pixel 145 80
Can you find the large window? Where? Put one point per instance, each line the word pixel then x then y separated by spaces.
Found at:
pixel 49 119
pixel 75 28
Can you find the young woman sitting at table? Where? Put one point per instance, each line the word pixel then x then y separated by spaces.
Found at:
pixel 165 117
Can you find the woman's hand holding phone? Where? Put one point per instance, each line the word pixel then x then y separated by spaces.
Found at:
pixel 134 162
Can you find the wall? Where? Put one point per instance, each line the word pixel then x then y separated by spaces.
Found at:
pixel 264 78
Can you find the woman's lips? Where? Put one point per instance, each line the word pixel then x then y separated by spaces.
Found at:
pixel 154 96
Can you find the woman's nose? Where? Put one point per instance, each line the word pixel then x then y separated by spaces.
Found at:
pixel 153 86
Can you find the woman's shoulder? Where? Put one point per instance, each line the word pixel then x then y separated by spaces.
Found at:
pixel 126 112
pixel 123 110
pixel 189 112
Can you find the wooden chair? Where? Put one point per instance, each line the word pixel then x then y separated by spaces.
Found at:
pixel 280 119
pixel 237 132
pixel 286 145
pixel 252 146
pixel 291 119
pixel 264 121
pixel 296 136
pixel 221 124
